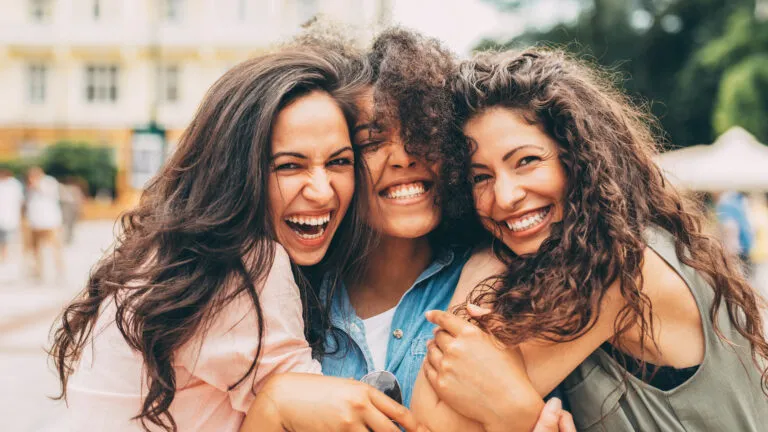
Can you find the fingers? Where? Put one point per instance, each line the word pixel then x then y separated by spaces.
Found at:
pixel 434 355
pixel 443 340
pixel 447 321
pixel 431 374
pixel 566 422
pixel 550 416
pixel 378 422
pixel 393 411
pixel 476 311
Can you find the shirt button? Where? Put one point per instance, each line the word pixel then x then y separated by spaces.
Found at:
pixel 397 333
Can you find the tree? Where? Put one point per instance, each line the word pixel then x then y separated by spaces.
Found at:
pixel 95 165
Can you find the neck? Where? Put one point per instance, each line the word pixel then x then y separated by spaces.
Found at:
pixel 393 268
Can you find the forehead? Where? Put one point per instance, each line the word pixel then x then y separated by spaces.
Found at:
pixel 505 129
pixel 311 120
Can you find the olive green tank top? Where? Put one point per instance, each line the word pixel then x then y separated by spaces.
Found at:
pixel 723 395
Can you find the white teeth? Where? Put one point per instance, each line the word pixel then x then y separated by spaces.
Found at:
pixel 311 236
pixel 405 191
pixel 528 221
pixel 310 220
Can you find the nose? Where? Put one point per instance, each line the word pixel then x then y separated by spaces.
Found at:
pixel 399 158
pixel 318 188
pixel 509 192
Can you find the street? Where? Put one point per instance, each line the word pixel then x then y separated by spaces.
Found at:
pixel 27 311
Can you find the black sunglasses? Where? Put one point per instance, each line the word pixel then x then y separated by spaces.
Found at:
pixel 385 382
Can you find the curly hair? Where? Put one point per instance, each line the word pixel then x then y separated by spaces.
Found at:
pixel 614 192
pixel 201 235
pixel 411 79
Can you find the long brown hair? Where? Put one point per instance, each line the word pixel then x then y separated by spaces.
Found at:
pixel 615 191
pixel 201 234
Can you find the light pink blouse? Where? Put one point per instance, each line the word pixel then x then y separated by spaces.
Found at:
pixel 106 390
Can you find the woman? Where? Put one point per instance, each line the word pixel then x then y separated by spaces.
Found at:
pixel 377 307
pixel 181 324
pixel 609 282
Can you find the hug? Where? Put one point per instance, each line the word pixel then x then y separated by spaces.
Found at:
pixel 489 231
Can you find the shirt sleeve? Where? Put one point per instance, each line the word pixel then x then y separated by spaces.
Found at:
pixel 222 356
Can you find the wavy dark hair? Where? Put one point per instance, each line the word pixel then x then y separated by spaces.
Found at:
pixel 615 191
pixel 201 234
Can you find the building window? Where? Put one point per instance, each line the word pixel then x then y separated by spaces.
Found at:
pixel 169 77
pixel 37 78
pixel 172 10
pixel 41 10
pixel 101 83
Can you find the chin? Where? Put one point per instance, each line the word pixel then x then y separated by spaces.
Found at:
pixel 410 229
pixel 303 258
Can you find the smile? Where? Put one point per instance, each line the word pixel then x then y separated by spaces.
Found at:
pixel 309 227
pixel 406 191
pixel 528 221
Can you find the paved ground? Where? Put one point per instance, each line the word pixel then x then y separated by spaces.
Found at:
pixel 27 311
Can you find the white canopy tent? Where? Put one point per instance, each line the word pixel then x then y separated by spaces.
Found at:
pixel 736 161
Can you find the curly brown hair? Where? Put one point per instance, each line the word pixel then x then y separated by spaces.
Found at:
pixel 615 191
pixel 411 80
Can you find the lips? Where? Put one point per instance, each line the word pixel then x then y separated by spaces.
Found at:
pixel 405 191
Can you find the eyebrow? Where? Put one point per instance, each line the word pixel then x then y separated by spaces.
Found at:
pixel 363 126
pixel 508 155
pixel 301 156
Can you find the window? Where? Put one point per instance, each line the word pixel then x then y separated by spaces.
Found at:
pixel 37 74
pixel 101 83
pixel 169 77
pixel 172 10
pixel 41 10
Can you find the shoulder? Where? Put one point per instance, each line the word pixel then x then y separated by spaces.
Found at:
pixel 481 265
pixel 665 288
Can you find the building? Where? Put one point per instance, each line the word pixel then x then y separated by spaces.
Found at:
pixel 129 74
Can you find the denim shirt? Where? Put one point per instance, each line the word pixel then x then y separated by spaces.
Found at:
pixel 347 352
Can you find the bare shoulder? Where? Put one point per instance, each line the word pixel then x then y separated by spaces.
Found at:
pixel 667 291
pixel 482 265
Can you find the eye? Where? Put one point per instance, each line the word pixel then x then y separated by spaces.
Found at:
pixel 287 166
pixel 480 178
pixel 341 162
pixel 370 146
pixel 528 160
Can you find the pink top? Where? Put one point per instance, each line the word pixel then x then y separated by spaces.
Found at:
pixel 106 389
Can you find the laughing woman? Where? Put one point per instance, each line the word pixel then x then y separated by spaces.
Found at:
pixel 180 325
pixel 608 280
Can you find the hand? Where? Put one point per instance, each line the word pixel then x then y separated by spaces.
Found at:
pixel 478 376
pixel 554 419
pixel 307 403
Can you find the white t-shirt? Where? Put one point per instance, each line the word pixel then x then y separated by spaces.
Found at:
pixel 43 209
pixel 377 330
pixel 11 200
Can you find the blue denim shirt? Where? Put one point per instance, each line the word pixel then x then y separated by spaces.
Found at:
pixel 348 354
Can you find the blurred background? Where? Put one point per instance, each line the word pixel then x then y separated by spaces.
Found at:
pixel 94 95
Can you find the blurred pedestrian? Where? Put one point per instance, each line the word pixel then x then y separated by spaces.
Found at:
pixel 11 201
pixel 71 199
pixel 43 214
pixel 735 228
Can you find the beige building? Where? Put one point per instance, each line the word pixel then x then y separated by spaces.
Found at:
pixel 102 71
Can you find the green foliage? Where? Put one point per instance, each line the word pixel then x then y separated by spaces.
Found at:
pixel 743 98
pixel 18 167
pixel 95 165
pixel 679 71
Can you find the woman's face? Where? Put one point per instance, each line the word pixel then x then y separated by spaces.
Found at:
pixel 312 176
pixel 519 181
pixel 401 187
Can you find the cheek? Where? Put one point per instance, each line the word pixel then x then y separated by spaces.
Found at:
pixel 344 185
pixel 483 197
pixel 281 192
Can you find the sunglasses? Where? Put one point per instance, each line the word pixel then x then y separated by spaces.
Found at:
pixel 385 382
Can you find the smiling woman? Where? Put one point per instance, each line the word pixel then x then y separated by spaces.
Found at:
pixel 312 175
